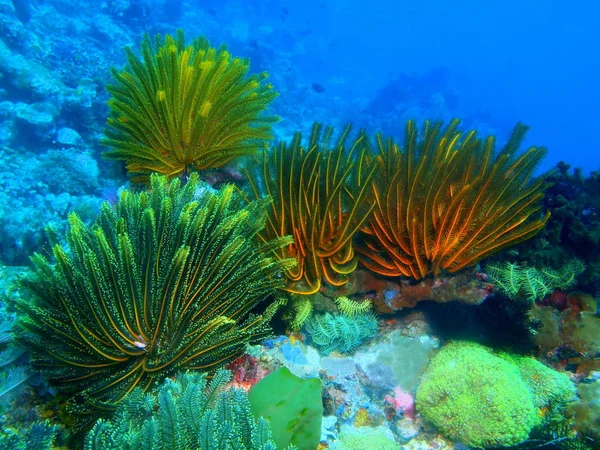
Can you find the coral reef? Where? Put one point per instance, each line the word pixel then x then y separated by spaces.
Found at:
pixel 201 108
pixel 573 230
pixel 569 333
pixel 586 412
pixel 37 192
pixel 389 296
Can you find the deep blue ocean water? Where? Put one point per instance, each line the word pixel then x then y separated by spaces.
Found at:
pixel 495 63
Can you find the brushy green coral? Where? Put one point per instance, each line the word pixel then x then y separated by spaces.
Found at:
pixel 338 332
pixel 186 414
pixel 487 400
pixel 547 386
pixel 531 284
pixel 164 281
pixel 352 307
pixel 299 311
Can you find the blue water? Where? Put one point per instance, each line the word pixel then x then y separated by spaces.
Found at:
pixel 495 63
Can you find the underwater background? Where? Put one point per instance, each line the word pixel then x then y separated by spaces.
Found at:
pixel 355 226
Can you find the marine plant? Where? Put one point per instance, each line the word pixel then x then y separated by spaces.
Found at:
pixel 185 107
pixel 186 413
pixel 318 190
pixel 338 332
pixel 293 407
pixel 164 281
pixel 519 282
pixel 445 200
pixel 485 399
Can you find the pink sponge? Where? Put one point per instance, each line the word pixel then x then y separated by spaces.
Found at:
pixel 402 402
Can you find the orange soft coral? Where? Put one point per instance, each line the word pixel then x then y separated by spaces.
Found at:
pixel 446 200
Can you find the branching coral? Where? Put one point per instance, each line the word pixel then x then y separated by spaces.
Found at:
pixel 185 107
pixel 318 191
pixel 164 281
pixel 446 200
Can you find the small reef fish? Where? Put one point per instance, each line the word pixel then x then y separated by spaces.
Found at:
pixel 318 88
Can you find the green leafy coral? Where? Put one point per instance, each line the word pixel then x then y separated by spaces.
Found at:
pixel 299 310
pixel 338 332
pixel 530 283
pixel 351 307
pixel 186 413
pixel 163 281
pixel 488 400
pixel 185 107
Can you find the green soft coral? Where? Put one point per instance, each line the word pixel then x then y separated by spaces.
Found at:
pixel 338 332
pixel 186 413
pixel 359 438
pixel 39 435
pixel 164 281
pixel 352 307
pixel 520 282
pixel 486 400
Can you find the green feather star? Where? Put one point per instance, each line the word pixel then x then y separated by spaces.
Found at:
pixel 164 281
